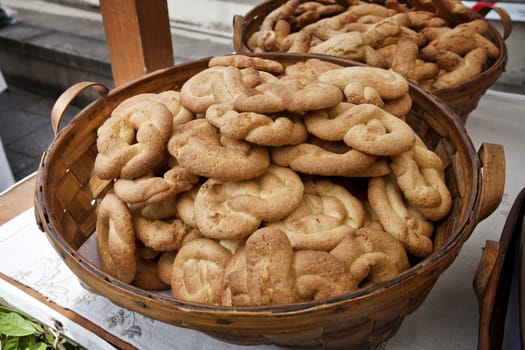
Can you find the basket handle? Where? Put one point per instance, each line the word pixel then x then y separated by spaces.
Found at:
pixel 506 20
pixel 65 99
pixel 492 157
pixel 238 46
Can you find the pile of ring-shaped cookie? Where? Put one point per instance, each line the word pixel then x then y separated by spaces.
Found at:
pixel 260 184
pixel 436 46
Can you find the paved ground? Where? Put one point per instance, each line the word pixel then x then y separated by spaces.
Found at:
pixel 25 128
pixel 42 55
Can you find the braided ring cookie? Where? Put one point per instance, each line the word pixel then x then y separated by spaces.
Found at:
pixel 116 238
pixel 170 98
pixel 199 147
pixel 288 94
pixel 371 255
pixel 132 142
pixel 233 210
pixel 364 127
pixel 210 86
pixel 148 190
pixel 374 131
pixel 198 269
pixel 323 159
pixel 420 176
pixel 400 220
pixel 326 215
pixel 257 128
pixel 389 84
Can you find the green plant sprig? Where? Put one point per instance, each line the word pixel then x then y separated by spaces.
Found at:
pixel 20 332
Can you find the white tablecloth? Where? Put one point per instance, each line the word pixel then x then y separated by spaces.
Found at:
pixel 448 319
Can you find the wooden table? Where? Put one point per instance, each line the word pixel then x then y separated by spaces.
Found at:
pixel 17 199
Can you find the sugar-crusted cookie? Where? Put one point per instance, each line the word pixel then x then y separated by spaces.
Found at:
pixel 115 238
pixel 327 213
pixel 199 147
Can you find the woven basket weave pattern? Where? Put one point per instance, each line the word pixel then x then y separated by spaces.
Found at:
pixel 67 191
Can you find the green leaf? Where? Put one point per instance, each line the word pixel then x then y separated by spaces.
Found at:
pixel 15 325
pixel 10 343
pixel 37 346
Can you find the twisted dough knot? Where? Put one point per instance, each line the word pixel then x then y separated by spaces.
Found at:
pixel 364 127
pixel 402 221
pixel 466 68
pixel 326 214
pixel 132 142
pixel 198 269
pixel 212 85
pixel 233 210
pixel 460 40
pixel 241 61
pixel 200 148
pixel 279 130
pixel 116 238
pixel 371 255
pixel 310 68
pixel 170 98
pixel 151 189
pixel 351 45
pixel 421 177
pixel 319 157
pixel 288 94
pixel 320 275
pixel 161 235
pixel 388 84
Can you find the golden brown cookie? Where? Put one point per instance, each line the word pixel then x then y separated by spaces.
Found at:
pixel 115 238
pixel 198 272
pixel 327 213
pixel 279 130
pixel 151 189
pixel 389 84
pixel 147 276
pixel 212 85
pixel 288 94
pixel 132 142
pixel 371 255
pixel 242 61
pixel 170 98
pixel 233 210
pixel 165 266
pixel 398 218
pixel 374 131
pixel 161 235
pixel 235 280
pixel 320 275
pixel 199 147
pixel 328 159
pixel 269 265
pixel 421 177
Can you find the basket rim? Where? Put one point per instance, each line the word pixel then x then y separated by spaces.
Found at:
pixel 42 213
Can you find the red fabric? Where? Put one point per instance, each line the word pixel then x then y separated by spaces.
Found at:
pixel 479 5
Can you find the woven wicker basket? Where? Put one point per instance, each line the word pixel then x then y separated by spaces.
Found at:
pixel 462 99
pixel 64 207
